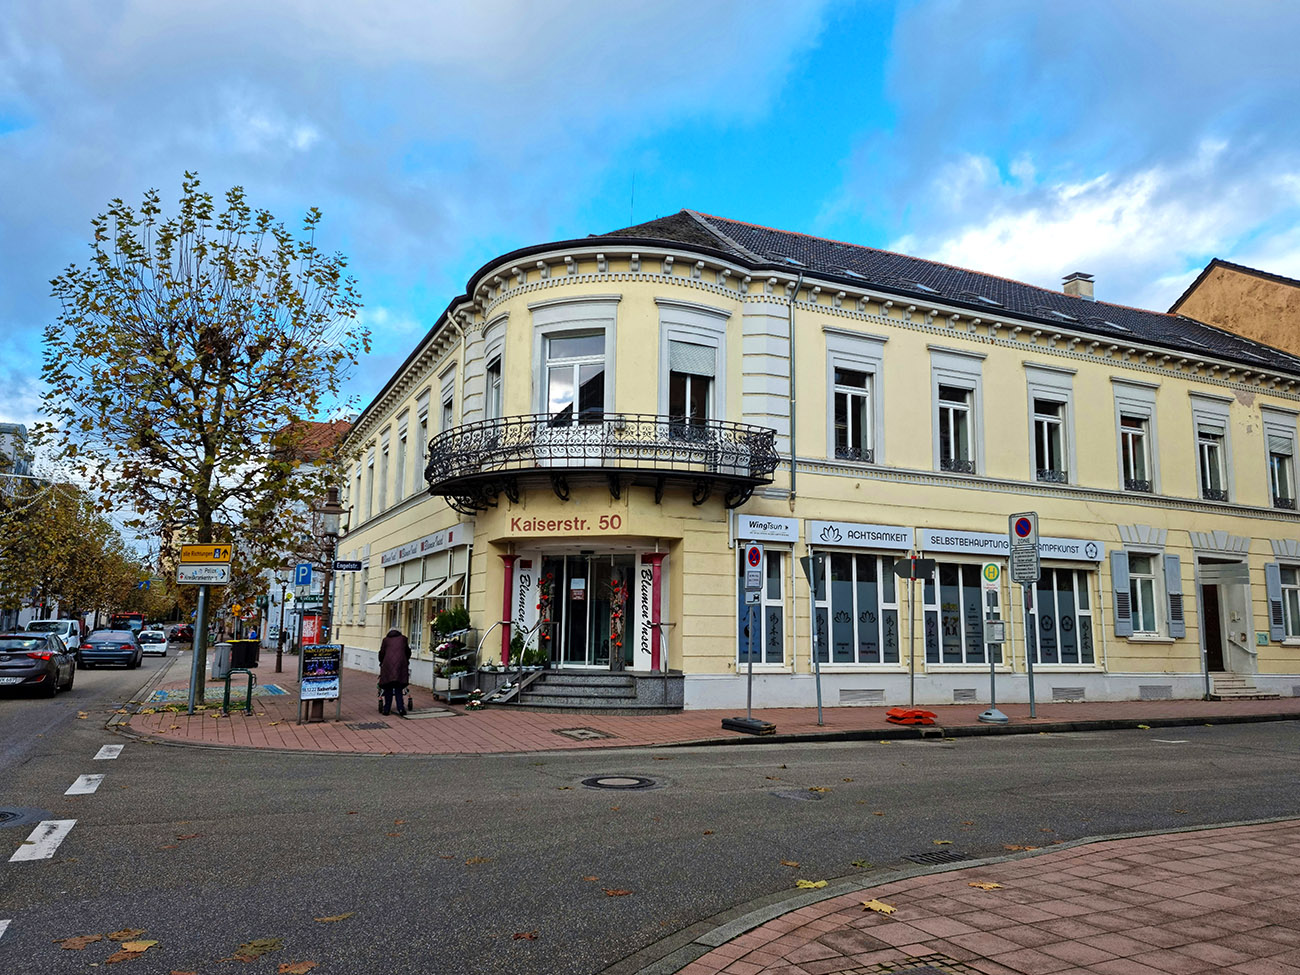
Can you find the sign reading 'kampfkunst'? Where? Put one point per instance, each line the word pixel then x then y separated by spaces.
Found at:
pixel 931 540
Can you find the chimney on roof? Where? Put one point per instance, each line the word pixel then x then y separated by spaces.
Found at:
pixel 1079 285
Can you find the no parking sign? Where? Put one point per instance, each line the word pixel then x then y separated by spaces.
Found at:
pixel 753 567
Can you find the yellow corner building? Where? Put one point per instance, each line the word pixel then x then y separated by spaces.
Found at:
pixel 581 449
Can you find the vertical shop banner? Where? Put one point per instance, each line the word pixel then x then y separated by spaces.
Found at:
pixel 310 629
pixel 642 598
pixel 527 594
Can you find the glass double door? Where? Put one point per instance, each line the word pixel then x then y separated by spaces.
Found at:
pixel 592 609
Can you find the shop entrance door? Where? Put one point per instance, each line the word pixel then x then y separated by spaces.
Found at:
pixel 1225 607
pixel 593 605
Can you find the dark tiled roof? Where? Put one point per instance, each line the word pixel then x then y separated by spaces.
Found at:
pixel 1242 268
pixel 922 281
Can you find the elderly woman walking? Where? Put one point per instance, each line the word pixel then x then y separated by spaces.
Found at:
pixel 394 670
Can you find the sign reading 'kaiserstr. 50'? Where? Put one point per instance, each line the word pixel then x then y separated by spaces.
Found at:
pixel 592 524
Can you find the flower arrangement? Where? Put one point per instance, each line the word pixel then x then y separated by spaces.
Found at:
pixel 475 700
pixel 616 592
pixel 545 597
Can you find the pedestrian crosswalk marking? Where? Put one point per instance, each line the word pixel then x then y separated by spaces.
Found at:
pixel 85 785
pixel 44 840
pixel 109 751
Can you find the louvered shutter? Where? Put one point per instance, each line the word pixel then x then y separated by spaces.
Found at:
pixel 1174 596
pixel 687 357
pixel 1280 445
pixel 1273 587
pixel 1123 603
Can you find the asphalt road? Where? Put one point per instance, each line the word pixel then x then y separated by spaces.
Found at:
pixel 440 862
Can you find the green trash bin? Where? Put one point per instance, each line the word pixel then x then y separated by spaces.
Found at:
pixel 243 653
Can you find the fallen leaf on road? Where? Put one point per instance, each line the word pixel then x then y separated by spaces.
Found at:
pixel 273 724
pixel 524 936
pixel 861 864
pixel 126 934
pixel 78 942
pixel 296 967
pixel 190 836
pixel 660 758
pixel 880 907
pixel 335 917
pixel 473 860
pixel 394 834
pixel 83 715
pixel 942 842
pixel 615 892
pixel 877 813
pixel 968 822
pixel 590 879
pixel 708 832
pixel 1014 846
pixel 138 945
pixel 772 778
pixel 984 885
pixel 1046 829
pixel 399 822
pixel 613 808
pixel 446 856
pixel 352 813
pixel 809 884
pixel 118 956
pixel 818 788
pixel 253 950
pixel 846 780
pixel 781 766
pixel 1180 810
pixel 789 863
pixel 1145 727
pixel 563 787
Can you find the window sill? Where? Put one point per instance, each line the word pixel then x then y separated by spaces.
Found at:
pixel 1068 668
pixel 966 668
pixel 1149 639
pixel 743 668
pixel 842 668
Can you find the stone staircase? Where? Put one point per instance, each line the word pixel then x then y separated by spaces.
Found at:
pixel 601 691
pixel 1235 687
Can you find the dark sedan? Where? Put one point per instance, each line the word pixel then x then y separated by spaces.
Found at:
pixel 110 647
pixel 38 661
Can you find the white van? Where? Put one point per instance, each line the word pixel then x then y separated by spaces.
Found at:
pixel 69 631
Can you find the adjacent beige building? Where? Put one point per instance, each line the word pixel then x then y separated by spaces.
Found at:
pixel 1257 304
pixel 584 442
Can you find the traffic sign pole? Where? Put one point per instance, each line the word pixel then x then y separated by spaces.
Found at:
pixel 199 650
pixel 992 575
pixel 753 594
pixel 1022 530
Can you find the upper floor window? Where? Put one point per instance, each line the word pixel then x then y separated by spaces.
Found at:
pixel 421 445
pixel 493 404
pixel 1134 447
pixel 448 410
pixel 1210 463
pixel 383 475
pixel 575 377
pixel 690 386
pixel 852 415
pixel 370 485
pixel 1280 437
pixel 955 422
pixel 1049 441
pixel 399 477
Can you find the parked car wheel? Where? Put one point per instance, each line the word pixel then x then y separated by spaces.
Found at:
pixel 133 663
pixel 47 688
pixel 72 677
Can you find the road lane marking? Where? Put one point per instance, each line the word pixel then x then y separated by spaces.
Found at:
pixel 4 926
pixel 1172 741
pixel 45 839
pixel 85 785
pixel 109 751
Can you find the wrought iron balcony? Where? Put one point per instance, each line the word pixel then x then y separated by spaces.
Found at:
pixel 1214 494
pixel 864 454
pixel 472 464
pixel 1133 484
pixel 957 465
pixel 1284 503
pixel 1050 476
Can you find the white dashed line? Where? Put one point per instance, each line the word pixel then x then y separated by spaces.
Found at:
pixel 45 839
pixel 85 785
pixel 109 751
pixel 1172 741
pixel 4 924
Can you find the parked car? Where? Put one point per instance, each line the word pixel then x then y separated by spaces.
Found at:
pixel 68 630
pixel 36 660
pixel 184 633
pixel 153 641
pixel 110 647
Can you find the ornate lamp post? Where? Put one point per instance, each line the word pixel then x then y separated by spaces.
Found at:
pixel 330 512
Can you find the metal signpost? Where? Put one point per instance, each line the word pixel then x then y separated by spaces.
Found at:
pixel 995 634
pixel 911 569
pixel 753 594
pixel 814 569
pixel 203 565
pixel 1022 529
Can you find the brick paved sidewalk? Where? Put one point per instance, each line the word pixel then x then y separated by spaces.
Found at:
pixel 1213 901
pixel 505 729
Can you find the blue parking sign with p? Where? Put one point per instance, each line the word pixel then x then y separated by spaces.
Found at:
pixel 302 574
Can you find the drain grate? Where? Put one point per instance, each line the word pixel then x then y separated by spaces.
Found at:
pixel 937 856
pixel 583 734
pixel 367 725
pixel 923 965
pixel 803 795
pixel 618 782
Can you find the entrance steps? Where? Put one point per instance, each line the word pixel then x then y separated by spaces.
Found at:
pixel 1235 687
pixel 596 690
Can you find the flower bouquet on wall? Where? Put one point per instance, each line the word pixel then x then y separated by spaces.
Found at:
pixel 616 593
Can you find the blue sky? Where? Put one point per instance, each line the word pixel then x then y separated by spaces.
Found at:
pixel 1131 140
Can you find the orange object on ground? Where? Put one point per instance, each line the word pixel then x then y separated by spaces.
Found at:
pixel 909 716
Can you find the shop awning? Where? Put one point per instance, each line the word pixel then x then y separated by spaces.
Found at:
pixel 380 596
pixel 444 589
pixel 424 588
pixel 399 593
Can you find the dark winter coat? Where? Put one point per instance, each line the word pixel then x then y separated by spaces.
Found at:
pixel 395 659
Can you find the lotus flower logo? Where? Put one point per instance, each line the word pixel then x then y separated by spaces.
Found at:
pixel 830 534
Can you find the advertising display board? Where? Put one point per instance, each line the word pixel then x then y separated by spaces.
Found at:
pixel 321 669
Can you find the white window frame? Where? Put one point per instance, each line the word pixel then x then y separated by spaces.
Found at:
pixel 860 352
pixel 1211 414
pixel 766 600
pixel 693 324
pixel 884 566
pixel 399 474
pixel 370 484
pixel 1158 596
pixel 447 400
pixel 590 314
pixel 1085 580
pixel 493 388
pixel 1138 400
pixel 935 606
pixel 421 440
pixel 959 369
pixel 1053 384
pixel 1290 603
pixel 1280 427
pixel 383 470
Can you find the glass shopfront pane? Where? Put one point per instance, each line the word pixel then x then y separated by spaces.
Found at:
pixel 868 610
pixel 1067 620
pixel 841 608
pixel 972 603
pixel 821 634
pixel 774 633
pixel 931 637
pixel 1045 619
pixel 890 620
pixel 950 612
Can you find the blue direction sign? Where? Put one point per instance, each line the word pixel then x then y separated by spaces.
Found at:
pixel 302 574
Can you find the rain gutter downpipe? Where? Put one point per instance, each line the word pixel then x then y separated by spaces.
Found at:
pixel 793 297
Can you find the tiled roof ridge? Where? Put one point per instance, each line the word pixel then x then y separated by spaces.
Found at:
pixel 703 220
pixel 926 260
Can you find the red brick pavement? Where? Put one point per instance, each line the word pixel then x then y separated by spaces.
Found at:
pixel 1209 901
pixel 505 729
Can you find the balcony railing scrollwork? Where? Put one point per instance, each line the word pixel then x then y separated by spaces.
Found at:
pixel 472 464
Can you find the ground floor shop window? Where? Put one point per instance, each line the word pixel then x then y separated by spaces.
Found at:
pixel 415 626
pixel 766 641
pixel 856 611
pixel 1060 618
pixel 954 616
pixel 589 601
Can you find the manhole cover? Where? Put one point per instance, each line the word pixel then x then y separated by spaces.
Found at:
pixel 21 815
pixel 368 725
pixel 803 795
pixel 618 782
pixel 583 734
pixel 937 856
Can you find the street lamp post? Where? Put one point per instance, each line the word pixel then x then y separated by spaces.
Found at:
pixel 330 512
pixel 279 636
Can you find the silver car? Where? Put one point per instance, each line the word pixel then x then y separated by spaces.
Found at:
pixel 153 641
